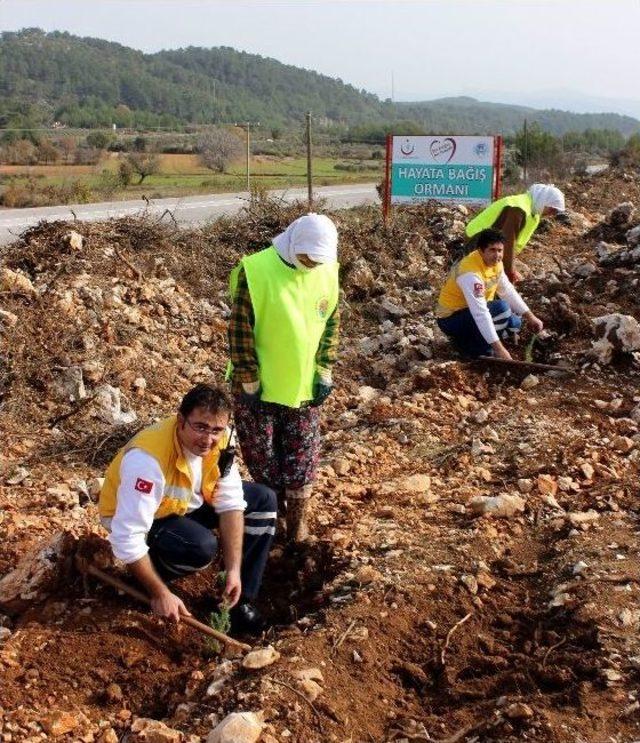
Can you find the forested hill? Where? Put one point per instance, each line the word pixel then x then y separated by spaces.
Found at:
pixel 48 77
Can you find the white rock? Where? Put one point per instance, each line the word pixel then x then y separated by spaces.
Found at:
pixel 633 235
pixel 70 385
pixel 153 731
pixel 615 332
pixel 583 518
pixel 17 475
pixel 481 416
pixel 238 727
pixel 368 394
pixel 310 689
pixel 261 658
pixel 5 634
pixel 15 282
pixel 579 568
pixel 500 506
pixel 8 318
pixel 109 406
pixel 529 382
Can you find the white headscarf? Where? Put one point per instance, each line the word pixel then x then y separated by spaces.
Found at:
pixel 546 195
pixel 313 234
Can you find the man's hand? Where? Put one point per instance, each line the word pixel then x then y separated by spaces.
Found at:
pixel 500 352
pixel 535 322
pixel 168 605
pixel 250 394
pixel 233 588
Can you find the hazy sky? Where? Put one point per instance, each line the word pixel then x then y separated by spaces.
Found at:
pixel 525 51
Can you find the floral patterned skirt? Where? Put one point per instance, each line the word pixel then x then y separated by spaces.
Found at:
pixel 280 445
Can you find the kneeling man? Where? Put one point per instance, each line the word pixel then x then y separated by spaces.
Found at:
pixel 468 311
pixel 169 487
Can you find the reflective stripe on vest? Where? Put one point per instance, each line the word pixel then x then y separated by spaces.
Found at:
pixel 488 217
pixel 452 298
pixel 291 309
pixel 161 442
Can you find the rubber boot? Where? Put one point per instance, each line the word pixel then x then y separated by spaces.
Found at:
pixel 298 502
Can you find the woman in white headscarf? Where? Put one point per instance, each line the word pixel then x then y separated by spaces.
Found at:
pixel 283 339
pixel 517 217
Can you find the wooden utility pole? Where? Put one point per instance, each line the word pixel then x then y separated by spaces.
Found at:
pixel 309 174
pixel 248 125
pixel 525 158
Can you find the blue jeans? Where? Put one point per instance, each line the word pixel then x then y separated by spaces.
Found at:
pixel 180 545
pixel 462 331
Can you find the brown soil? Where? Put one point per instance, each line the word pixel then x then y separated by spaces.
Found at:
pixel 427 624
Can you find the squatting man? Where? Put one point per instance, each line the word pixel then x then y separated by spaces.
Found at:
pixel 168 488
pixel 474 319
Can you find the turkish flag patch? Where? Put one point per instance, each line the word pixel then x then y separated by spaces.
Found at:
pixel 478 289
pixel 144 486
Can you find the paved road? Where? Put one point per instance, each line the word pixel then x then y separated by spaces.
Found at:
pixel 189 210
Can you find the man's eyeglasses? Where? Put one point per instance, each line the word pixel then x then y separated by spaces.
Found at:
pixel 203 428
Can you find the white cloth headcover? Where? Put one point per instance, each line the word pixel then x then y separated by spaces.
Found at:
pixel 546 195
pixel 313 234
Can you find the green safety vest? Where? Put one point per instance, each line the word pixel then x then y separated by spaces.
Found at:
pixel 291 309
pixel 487 218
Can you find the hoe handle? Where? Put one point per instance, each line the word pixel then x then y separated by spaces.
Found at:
pixel 134 593
pixel 527 364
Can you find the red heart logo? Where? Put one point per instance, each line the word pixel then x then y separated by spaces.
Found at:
pixel 443 148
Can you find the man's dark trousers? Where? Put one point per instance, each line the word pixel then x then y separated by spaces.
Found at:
pixel 180 545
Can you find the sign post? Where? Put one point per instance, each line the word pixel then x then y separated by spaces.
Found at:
pixel 462 170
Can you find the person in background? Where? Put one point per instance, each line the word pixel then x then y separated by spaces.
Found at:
pixel 478 306
pixel 283 338
pixel 517 217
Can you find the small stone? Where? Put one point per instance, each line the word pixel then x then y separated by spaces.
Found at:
pixel 154 731
pixel 313 674
pixel 579 568
pixel 518 711
pixel 8 318
pixel 341 466
pixel 525 485
pixel 471 583
pixel 237 727
pixel 261 658
pixel 529 382
pixel 587 470
pixel 629 617
pixel 547 485
pixel 5 634
pixel 582 519
pixel 611 676
pixel 368 394
pixel 310 688
pixel 500 506
pixel 17 475
pixel 108 736
pixel 485 580
pixel 357 658
pixel 16 283
pixel 367 574
pixel 623 444
pixel 58 722
pixel 74 240
pixel 114 694
pixel 481 416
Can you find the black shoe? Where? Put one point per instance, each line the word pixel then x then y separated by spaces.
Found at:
pixel 246 619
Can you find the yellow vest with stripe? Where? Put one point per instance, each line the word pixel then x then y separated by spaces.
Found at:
pixel 161 442
pixel 487 218
pixel 291 309
pixel 451 297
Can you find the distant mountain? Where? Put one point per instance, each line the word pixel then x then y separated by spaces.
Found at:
pixel 465 115
pixel 85 82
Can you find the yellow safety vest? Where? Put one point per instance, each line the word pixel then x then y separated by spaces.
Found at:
pixel 487 218
pixel 161 442
pixel 291 309
pixel 451 297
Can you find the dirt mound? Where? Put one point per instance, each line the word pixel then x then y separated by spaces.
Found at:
pixel 415 618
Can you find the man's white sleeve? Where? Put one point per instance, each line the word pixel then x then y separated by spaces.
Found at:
pixel 508 292
pixel 472 286
pixel 139 495
pixel 229 495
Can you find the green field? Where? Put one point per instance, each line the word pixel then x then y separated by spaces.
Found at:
pixel 180 175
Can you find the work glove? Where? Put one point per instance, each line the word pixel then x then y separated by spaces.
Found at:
pixel 322 387
pixel 250 394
